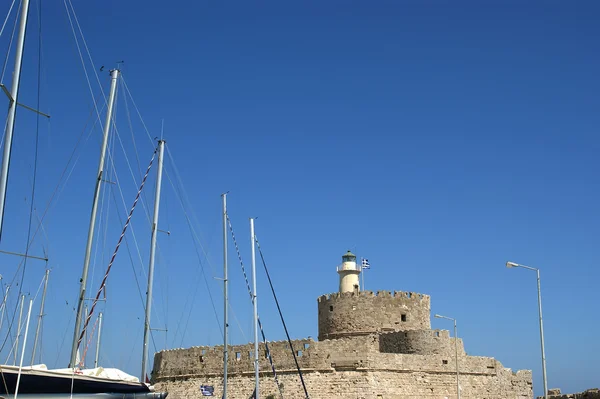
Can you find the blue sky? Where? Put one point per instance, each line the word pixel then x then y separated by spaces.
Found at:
pixel 437 139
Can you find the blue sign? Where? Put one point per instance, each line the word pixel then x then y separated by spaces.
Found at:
pixel 207 390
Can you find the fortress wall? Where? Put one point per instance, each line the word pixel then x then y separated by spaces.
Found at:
pixel 367 349
pixel 365 312
pixel 362 385
pixel 419 342
pixel 555 393
pixel 348 354
pixel 204 360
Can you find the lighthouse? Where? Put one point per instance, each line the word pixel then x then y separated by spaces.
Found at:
pixel 349 272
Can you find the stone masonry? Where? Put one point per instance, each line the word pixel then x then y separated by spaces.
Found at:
pixel 371 345
pixel 555 393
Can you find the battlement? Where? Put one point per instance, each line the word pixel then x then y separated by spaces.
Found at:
pixel 372 294
pixel 208 360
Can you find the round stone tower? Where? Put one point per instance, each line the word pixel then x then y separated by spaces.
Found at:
pixel 349 273
pixel 352 312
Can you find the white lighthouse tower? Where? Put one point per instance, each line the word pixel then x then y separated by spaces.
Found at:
pixel 349 272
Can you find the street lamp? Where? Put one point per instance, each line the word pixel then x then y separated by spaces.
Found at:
pixel 456 351
pixel 511 265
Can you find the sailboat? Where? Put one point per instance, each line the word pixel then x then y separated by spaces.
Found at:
pixel 37 381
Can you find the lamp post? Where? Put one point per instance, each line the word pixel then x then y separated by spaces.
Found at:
pixel 511 265
pixel 455 350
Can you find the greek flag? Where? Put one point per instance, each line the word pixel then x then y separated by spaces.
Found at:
pixel 365 263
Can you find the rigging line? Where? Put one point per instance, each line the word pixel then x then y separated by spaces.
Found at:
pixel 56 194
pixel 99 246
pixel 144 200
pixel 199 259
pixel 137 110
pixel 281 316
pixel 136 338
pixel 196 285
pixel 135 151
pixel 87 49
pixel 20 327
pixel 7 16
pixel 182 195
pixel 41 344
pixel 118 184
pixel 102 222
pixel 64 335
pixel 192 306
pixel 195 238
pixel 12 36
pixel 87 320
pixel 131 128
pixel 237 248
pixel 144 197
pixel 37 141
pixel 81 362
pixel 96 120
pixel 137 282
pixel 145 206
pixel 18 335
pixel 47 249
pixel 83 65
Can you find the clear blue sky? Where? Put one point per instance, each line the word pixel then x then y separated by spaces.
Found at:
pixel 438 139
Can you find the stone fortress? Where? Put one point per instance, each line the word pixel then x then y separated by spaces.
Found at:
pixel 371 345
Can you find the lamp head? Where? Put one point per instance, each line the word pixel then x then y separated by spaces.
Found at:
pixel 511 264
pixel 437 316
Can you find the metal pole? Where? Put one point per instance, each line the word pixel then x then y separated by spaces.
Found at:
pixel 114 74
pixel 226 299
pixel 19 329
pixel 254 302
pixel 362 273
pixel 39 324
pixel 542 335
pixel 98 342
pixel 456 354
pixel 12 108
pixel 23 351
pixel 4 306
pixel 161 151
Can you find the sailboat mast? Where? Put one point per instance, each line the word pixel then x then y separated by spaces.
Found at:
pixel 114 74
pixel 226 299
pixel 19 329
pixel 161 150
pixel 3 306
pixel 12 108
pixel 39 323
pixel 98 342
pixel 254 302
pixel 23 350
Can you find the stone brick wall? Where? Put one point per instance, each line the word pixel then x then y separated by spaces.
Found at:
pixel 342 314
pixel 351 367
pixel 371 346
pixel 420 342
pixel 588 394
pixel 362 382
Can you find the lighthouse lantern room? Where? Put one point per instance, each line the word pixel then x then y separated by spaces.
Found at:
pixel 349 273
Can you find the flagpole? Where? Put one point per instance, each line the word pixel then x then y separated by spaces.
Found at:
pixel 362 274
